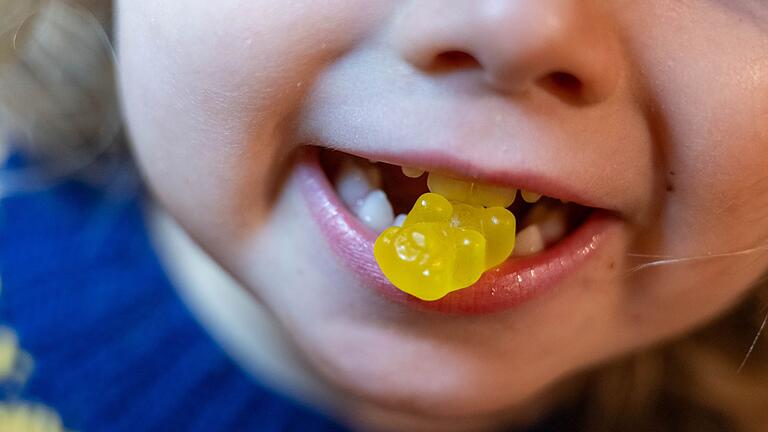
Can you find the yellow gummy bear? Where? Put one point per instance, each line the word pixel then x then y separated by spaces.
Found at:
pixel 443 247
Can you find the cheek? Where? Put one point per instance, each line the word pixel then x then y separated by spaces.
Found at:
pixel 708 99
pixel 209 91
pixel 709 102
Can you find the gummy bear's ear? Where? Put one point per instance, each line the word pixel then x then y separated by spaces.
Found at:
pixel 470 257
pixel 499 228
pixel 430 207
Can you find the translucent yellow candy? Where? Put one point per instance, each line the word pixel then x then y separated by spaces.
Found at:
pixel 499 230
pixel 443 247
pixel 423 259
pixel 430 207
pixel 471 193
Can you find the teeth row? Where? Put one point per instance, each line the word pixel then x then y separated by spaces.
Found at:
pixel 359 188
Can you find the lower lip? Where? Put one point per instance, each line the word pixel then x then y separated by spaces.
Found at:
pixel 514 282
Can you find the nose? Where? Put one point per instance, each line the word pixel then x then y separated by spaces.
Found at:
pixel 564 47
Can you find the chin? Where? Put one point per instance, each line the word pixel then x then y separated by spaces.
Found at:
pixel 388 375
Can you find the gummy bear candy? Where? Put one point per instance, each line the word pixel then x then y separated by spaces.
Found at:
pixel 443 247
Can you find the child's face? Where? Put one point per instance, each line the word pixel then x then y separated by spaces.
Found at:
pixel 663 121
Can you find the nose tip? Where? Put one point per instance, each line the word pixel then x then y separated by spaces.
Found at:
pixel 563 47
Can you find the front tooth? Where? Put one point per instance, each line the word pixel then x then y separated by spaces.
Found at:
pixel 530 197
pixel 376 211
pixel 412 172
pixel 352 184
pixel 529 241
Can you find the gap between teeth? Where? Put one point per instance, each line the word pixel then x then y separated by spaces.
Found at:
pixel 360 190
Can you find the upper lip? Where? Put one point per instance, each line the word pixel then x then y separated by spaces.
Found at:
pixel 601 157
pixel 519 177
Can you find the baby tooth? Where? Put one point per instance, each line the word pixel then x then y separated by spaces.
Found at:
pixel 399 219
pixel 352 184
pixel 530 197
pixel 376 211
pixel 551 221
pixel 553 227
pixel 529 241
pixel 412 172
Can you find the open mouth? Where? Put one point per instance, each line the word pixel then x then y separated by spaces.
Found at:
pixel 353 199
pixel 382 194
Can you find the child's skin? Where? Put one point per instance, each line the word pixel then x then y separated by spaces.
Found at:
pixel 671 133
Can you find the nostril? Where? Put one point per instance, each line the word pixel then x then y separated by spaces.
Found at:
pixel 565 86
pixel 565 81
pixel 452 60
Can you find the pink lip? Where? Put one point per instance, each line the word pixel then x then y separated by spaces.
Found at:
pixel 516 281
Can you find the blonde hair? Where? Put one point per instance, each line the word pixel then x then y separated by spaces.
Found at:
pixel 57 87
pixel 56 68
